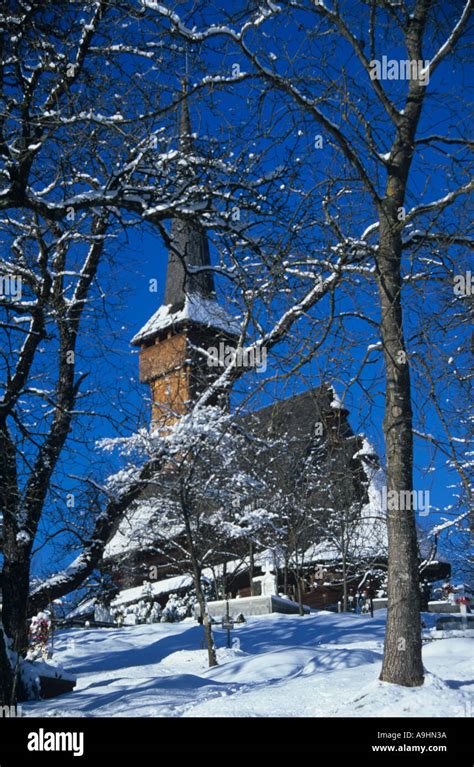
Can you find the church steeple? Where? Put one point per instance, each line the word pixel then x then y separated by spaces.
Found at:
pixel 190 317
pixel 185 132
pixel 189 247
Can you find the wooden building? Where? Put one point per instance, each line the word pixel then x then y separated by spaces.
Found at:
pixel 191 319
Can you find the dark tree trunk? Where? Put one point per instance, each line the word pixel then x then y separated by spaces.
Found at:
pixel 285 577
pixel 224 582
pixel 7 693
pixel 299 581
pixel 344 584
pixel 16 556
pixel 251 569
pixel 15 588
pixel 402 662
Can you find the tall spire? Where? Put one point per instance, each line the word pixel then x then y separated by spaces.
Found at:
pixel 185 132
pixel 189 246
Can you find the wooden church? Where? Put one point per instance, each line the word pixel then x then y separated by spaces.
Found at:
pixel 190 318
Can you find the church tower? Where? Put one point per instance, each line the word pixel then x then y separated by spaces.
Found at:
pixel 189 319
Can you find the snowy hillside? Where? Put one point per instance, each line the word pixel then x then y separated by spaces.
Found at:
pixel 324 664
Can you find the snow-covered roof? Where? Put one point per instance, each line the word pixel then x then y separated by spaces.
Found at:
pixel 144 524
pixel 196 308
pixel 369 535
pixel 177 582
pixel 84 608
pixel 138 529
pixel 167 586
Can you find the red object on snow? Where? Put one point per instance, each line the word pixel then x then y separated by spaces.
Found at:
pixel 462 601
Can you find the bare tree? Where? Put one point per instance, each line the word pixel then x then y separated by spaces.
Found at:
pixel 85 152
pixel 186 512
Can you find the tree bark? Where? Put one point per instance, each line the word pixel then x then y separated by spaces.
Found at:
pixel 251 570
pixel 15 572
pixel 205 619
pixel 7 693
pixel 299 583
pixel 299 580
pixel 16 585
pixel 344 583
pixel 402 663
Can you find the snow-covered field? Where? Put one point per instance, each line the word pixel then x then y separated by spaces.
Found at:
pixel 324 664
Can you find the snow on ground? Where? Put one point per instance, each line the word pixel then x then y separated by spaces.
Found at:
pixel 324 664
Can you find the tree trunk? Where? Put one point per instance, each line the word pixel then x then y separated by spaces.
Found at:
pixel 7 694
pixel 285 577
pixel 299 584
pixel 16 555
pixel 299 581
pixel 204 615
pixel 224 593
pixel 251 570
pixel 344 584
pixel 205 619
pixel 15 587
pixel 402 662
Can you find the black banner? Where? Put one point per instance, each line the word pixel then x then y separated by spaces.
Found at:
pixel 85 740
